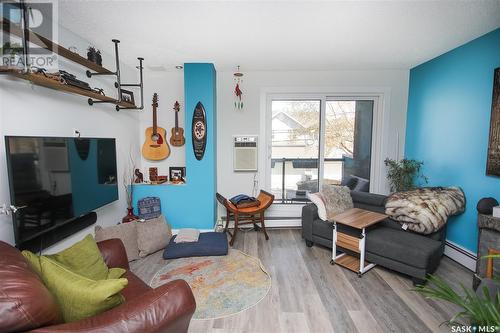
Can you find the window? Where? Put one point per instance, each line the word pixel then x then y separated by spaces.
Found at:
pixel 295 149
pixel 318 141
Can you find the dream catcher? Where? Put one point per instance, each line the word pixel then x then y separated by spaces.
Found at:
pixel 238 79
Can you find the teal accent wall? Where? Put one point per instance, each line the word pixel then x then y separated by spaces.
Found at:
pixel 192 205
pixel 448 123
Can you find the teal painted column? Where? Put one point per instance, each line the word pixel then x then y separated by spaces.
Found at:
pixel 192 205
pixel 200 86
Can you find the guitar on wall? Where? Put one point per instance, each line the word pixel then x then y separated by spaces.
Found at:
pixel 177 138
pixel 155 146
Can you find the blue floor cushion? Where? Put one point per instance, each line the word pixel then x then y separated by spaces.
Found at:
pixel 208 244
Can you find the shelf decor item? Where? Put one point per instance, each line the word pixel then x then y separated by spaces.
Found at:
pixel 238 79
pixel 94 55
pixel 94 67
pixel 177 174
pixel 128 181
pixel 127 96
pixel 493 163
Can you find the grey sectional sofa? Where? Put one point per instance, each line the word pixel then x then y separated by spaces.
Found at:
pixel 387 244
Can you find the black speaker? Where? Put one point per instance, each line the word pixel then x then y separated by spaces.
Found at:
pixel 485 206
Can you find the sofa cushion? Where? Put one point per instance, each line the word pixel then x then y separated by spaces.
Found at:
pixel 409 248
pixel 153 235
pixel 337 199
pixel 317 199
pixel 25 303
pixel 126 232
pixel 78 296
pixel 349 181
pixel 362 185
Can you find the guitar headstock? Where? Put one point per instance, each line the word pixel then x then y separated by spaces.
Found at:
pixel 155 100
pixel 177 106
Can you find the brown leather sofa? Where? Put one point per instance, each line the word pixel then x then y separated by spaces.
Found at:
pixel 26 305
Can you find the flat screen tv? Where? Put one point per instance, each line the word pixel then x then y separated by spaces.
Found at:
pixel 55 183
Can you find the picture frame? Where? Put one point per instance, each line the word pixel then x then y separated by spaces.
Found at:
pixel 177 174
pixel 493 158
pixel 127 96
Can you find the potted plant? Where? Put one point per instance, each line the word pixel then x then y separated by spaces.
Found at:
pixel 480 308
pixel 403 174
pixel 92 54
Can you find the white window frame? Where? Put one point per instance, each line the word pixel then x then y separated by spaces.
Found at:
pixel 378 95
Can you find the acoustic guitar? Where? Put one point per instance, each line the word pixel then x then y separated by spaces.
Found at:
pixel 155 146
pixel 177 138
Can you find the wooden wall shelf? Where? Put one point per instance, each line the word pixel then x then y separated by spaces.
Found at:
pixel 41 41
pixel 41 80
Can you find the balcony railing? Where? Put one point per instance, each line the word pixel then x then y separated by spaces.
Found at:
pixel 293 178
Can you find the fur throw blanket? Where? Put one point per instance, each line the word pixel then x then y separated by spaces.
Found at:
pixel 425 210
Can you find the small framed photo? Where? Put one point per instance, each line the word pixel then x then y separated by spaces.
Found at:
pixel 177 174
pixel 127 96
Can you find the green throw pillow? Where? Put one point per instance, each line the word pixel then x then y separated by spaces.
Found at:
pixel 34 261
pixel 115 273
pixel 91 263
pixel 83 258
pixel 78 296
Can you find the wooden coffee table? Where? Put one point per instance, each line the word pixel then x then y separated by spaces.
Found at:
pixel 359 219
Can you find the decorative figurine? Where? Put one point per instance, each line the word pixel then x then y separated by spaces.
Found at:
pixel 139 176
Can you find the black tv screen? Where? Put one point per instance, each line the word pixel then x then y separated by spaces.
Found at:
pixel 54 181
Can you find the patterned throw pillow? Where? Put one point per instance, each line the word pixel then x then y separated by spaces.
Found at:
pixel 317 199
pixel 126 232
pixel 337 200
pixel 153 235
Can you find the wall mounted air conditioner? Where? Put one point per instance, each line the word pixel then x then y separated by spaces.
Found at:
pixel 245 152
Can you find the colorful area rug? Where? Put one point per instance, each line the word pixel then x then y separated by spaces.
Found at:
pixel 222 286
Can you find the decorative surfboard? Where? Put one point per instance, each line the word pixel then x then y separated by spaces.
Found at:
pixel 199 131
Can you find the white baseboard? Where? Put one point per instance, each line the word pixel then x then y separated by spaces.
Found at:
pixel 461 255
pixel 285 223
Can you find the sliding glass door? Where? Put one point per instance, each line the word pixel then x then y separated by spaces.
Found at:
pixel 318 141
pixel 295 149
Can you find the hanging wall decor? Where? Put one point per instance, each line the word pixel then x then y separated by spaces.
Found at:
pixel 493 161
pixel 238 79
pixel 199 131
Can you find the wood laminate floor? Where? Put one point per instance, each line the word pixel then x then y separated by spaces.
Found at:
pixel 310 295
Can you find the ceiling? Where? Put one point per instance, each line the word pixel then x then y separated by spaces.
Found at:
pixel 281 35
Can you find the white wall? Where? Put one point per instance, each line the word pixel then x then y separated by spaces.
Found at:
pixel 170 88
pixel 232 122
pixel 38 111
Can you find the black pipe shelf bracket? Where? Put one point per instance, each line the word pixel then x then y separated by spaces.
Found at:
pixel 119 85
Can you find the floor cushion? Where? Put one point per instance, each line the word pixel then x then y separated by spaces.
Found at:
pixel 208 244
